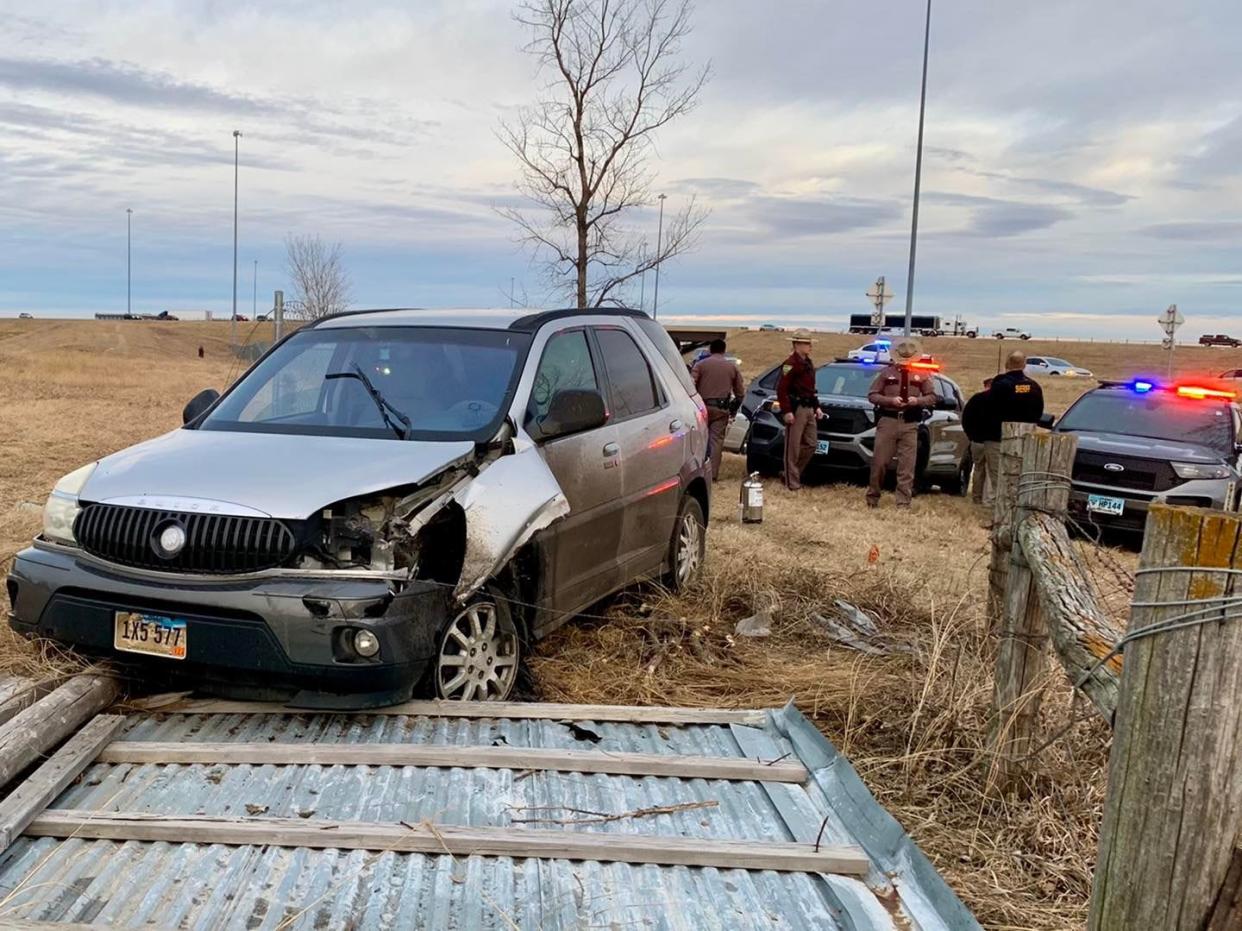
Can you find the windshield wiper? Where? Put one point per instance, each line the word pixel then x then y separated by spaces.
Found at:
pixel 404 430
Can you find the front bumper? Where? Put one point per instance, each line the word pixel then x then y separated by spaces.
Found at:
pixel 1205 493
pixel 269 635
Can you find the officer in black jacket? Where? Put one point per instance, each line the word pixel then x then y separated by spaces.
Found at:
pixel 1012 398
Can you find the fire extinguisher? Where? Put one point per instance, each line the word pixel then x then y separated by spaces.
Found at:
pixel 750 502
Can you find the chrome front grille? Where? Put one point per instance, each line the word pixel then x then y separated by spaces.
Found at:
pixel 214 543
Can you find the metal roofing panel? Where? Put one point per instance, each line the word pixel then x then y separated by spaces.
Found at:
pixel 216 886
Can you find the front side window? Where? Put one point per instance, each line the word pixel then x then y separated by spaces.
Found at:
pixel 450 383
pixel 629 377
pixel 566 364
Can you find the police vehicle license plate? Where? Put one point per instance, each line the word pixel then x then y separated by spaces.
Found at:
pixel 150 633
pixel 821 447
pixel 1104 505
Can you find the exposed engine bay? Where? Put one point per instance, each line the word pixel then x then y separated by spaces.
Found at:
pixel 456 529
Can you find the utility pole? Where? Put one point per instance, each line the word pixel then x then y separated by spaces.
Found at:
pixel 918 175
pixel 233 318
pixel 642 281
pixel 129 267
pixel 655 300
pixel 254 305
pixel 511 286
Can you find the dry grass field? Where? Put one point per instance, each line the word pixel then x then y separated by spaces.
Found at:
pixel 913 718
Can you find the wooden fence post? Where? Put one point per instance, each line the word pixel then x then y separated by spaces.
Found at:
pixel 1004 496
pixel 1174 808
pixel 1021 655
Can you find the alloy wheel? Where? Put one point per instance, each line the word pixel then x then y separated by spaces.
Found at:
pixel 479 655
pixel 689 549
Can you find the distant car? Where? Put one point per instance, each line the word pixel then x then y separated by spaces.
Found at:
pixel 25 316
pixel 241 318
pixel 771 328
pixel 872 352
pixel 165 315
pixel 1232 375
pixel 1011 333
pixel 1219 339
pixel 1049 365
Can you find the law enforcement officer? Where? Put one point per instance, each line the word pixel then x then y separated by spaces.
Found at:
pixel 902 395
pixel 719 383
pixel 796 394
pixel 1012 398
pixel 975 417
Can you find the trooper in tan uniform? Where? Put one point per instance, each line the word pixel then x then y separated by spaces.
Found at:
pixel 901 395
pixel 796 394
pixel 720 384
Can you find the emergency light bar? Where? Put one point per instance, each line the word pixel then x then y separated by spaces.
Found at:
pixel 926 366
pixel 1199 393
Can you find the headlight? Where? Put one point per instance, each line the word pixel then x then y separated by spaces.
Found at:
pixel 1190 470
pixel 62 505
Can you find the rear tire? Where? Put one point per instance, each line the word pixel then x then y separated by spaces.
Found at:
pixel 688 546
pixel 960 482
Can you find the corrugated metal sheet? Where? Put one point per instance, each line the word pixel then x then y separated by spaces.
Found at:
pixel 214 886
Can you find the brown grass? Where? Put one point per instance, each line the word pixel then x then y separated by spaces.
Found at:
pixel 914 724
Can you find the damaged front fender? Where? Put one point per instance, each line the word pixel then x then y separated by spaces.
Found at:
pixel 506 504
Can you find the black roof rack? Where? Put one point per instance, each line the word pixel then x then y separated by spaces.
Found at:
pixel 357 313
pixel 532 322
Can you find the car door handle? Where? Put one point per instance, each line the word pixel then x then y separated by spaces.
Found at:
pixel 675 426
pixel 611 449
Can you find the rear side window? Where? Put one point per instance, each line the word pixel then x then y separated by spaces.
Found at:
pixel 566 363
pixel 668 351
pixel 769 380
pixel 629 377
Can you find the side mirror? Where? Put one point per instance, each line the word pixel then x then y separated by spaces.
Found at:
pixel 1047 421
pixel 199 404
pixel 573 410
pixel 946 404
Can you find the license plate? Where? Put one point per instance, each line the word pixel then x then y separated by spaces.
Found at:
pixel 1101 504
pixel 152 634
pixel 821 447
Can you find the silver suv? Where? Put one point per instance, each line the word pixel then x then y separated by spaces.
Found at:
pixel 387 498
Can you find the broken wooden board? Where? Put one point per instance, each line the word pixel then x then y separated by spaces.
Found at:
pixel 429 838
pixel 503 757
pixel 497 709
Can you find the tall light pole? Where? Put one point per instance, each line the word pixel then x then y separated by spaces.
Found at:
pixel 918 175
pixel 129 265
pixel 233 318
pixel 642 280
pixel 655 299
pixel 254 302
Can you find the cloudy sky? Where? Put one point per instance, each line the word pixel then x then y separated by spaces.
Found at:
pixel 1082 168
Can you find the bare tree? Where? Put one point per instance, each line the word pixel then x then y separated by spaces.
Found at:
pixel 616 78
pixel 321 285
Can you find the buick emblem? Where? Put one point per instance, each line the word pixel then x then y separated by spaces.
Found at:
pixel 1114 467
pixel 169 540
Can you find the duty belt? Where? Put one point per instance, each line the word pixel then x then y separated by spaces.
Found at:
pixel 804 401
pixel 909 416
pixel 721 404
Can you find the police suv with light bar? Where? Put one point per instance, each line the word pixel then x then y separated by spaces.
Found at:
pixel 1143 441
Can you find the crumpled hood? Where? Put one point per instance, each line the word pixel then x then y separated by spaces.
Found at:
pixel 278 475
pixel 1143 447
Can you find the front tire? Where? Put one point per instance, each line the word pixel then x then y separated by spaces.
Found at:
pixel 479 653
pixel 688 546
